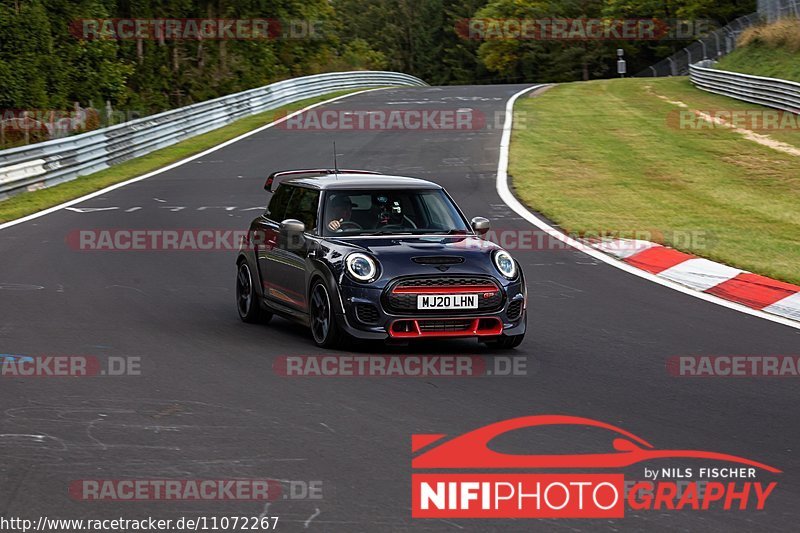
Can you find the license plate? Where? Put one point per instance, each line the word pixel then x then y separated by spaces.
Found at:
pixel 447 301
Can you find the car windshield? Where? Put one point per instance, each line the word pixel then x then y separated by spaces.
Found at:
pixel 390 212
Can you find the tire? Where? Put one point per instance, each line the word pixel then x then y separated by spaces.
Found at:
pixel 324 328
pixel 507 342
pixel 247 304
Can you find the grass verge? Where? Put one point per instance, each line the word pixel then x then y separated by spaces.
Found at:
pixel 763 61
pixel 27 203
pixel 606 156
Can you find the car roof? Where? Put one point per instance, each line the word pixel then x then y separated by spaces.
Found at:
pixel 358 181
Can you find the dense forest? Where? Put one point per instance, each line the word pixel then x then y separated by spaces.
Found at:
pixel 46 64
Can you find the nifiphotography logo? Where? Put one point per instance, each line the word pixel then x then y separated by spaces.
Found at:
pixel 491 484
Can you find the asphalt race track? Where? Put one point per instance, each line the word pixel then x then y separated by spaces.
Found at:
pixel 209 404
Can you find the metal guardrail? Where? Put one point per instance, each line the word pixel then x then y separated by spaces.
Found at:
pixel 770 92
pixel 51 162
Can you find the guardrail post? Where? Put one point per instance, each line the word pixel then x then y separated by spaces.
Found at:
pixel 730 39
pixel 673 70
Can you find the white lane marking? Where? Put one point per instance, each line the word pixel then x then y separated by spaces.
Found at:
pixel 788 307
pixel 512 202
pixel 177 163
pixel 36 438
pixel 20 287
pixel 700 274
pixel 171 208
pixel 312 517
pixel 90 209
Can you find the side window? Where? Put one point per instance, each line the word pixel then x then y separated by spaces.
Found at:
pixel 277 204
pixel 303 206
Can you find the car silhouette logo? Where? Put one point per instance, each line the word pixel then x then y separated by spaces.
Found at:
pixel 470 451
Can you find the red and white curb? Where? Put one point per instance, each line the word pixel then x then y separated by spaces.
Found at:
pixel 732 284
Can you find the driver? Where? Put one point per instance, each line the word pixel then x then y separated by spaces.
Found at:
pixel 391 213
pixel 340 211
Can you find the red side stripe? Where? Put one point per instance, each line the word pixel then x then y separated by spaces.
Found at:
pixel 753 290
pixel 658 259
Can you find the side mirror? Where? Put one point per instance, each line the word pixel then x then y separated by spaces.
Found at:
pixel 480 225
pixel 291 234
pixel 292 225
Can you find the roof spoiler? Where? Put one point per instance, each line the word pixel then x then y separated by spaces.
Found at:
pixel 311 171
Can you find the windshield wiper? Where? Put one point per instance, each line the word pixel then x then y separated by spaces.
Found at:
pixel 451 232
pixel 413 232
pixel 382 232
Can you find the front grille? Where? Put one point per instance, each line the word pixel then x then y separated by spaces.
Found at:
pixel 405 303
pixel 444 325
pixel 367 313
pixel 514 309
pixel 444 281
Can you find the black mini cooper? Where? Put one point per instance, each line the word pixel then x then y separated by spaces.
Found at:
pixel 355 253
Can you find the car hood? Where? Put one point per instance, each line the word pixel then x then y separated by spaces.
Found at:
pixel 395 254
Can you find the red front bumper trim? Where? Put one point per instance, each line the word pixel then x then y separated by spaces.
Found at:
pixel 419 327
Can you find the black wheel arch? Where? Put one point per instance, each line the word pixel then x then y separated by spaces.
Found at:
pixel 323 272
pixel 254 268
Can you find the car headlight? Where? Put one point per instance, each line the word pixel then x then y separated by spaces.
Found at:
pixel 361 267
pixel 505 264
